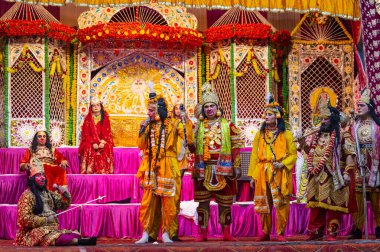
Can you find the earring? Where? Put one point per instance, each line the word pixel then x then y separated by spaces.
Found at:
pixel 201 118
pixel 157 117
pixel 218 113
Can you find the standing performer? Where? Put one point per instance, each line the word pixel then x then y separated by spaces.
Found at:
pixel 330 164
pixel 53 161
pixel 273 156
pixel 159 171
pixel 96 145
pixel 217 163
pixel 367 136
pixel 37 224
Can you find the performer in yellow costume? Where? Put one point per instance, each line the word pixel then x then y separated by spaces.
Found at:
pixel 273 156
pixel 217 163
pixel 159 170
pixel 367 133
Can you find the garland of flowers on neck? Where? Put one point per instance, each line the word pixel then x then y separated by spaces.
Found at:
pixel 157 148
pixel 206 148
pixel 316 170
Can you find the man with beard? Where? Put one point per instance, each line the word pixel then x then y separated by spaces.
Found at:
pixel 330 167
pixel 37 223
pixel 159 171
pixel 273 156
pixel 367 135
pixel 53 161
pixel 217 163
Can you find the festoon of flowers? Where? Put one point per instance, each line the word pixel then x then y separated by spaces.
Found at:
pixel 251 59
pixel 316 170
pixel 26 56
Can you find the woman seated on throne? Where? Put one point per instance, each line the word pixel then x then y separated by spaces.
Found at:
pixel 96 146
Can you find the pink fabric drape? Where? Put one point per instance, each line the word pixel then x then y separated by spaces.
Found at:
pixel 121 221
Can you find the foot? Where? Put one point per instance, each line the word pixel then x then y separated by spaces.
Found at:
pixel 144 238
pixel 175 238
pixel 87 241
pixel 165 238
pixel 151 239
pixel 226 234
pixel 313 237
pixel 264 238
pixel 202 237
pixel 377 232
pixel 356 234
pixel 281 238
pixel 331 237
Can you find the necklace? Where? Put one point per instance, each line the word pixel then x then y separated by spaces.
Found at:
pixel 316 170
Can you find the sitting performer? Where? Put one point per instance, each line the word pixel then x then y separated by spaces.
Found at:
pixel 37 223
pixel 217 163
pixel 96 145
pixel 159 170
pixel 54 162
pixel 273 156
pixel 367 134
pixel 330 166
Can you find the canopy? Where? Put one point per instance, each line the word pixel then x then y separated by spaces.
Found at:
pixel 348 9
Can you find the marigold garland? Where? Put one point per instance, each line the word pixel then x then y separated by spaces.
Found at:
pixel 74 63
pixel 26 56
pixel 199 72
pixel 47 86
pixel 156 139
pixel 15 28
pixel 251 59
pixel 6 91
pixel 137 30
pixel 68 97
pixel 206 148
pixel 321 164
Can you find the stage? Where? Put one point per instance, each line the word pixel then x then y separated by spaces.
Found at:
pixel 115 219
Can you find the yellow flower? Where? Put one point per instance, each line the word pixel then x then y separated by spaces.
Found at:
pixel 348 69
pixel 142 32
pixel 99 34
pixel 162 35
pixel 107 31
pixel 126 33
pixel 154 34
pixel 134 32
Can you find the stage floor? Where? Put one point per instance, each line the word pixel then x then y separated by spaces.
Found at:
pixel 295 243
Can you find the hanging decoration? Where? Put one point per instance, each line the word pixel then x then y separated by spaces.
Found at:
pixel 26 56
pixel 136 30
pixel 251 59
pixel 17 28
pixel 56 65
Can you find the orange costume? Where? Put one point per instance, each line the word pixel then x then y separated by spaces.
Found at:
pixel 51 160
pixel 96 131
pixel 273 186
pixel 159 171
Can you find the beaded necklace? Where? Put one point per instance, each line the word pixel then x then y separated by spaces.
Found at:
pixel 316 170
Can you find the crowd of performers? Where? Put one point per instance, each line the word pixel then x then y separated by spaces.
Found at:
pixel 341 169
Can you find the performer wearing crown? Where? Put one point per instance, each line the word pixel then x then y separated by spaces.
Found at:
pixel 159 171
pixel 217 163
pixel 53 161
pixel 367 135
pixel 96 145
pixel 273 156
pixel 330 168
pixel 37 223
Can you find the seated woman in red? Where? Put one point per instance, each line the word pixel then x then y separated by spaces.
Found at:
pixel 53 161
pixel 96 146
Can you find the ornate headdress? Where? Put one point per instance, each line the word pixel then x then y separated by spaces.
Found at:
pixel 95 100
pixel 36 167
pixel 365 96
pixel 153 96
pixel 273 106
pixel 209 95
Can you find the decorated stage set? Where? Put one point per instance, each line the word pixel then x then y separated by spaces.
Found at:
pixel 49 75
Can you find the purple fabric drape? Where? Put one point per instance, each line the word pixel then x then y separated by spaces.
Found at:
pixel 122 221
pixel 127 160
pixel 371 42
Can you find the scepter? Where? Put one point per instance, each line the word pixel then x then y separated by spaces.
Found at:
pixel 80 205
pixel 184 124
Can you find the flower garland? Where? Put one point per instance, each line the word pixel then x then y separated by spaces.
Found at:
pixel 56 65
pixel 16 27
pixel 199 72
pixel 68 97
pixel 251 59
pixel 47 86
pixel 207 62
pixel 154 136
pixel 232 82
pixel 137 30
pixel 6 91
pixel 321 164
pixel 221 61
pixel 206 148
pixel 73 80
pixel 26 56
